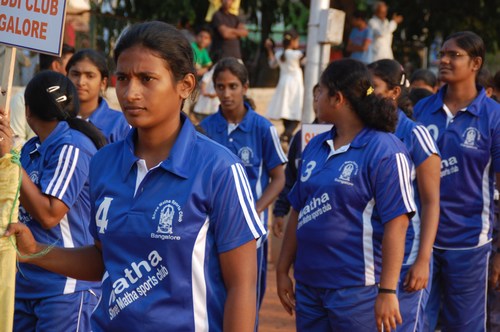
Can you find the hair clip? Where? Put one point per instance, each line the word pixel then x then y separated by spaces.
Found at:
pixel 369 91
pixel 61 99
pixel 288 37
pixel 53 88
pixel 403 79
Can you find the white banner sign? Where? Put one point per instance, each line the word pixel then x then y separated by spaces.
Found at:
pixel 309 130
pixel 37 25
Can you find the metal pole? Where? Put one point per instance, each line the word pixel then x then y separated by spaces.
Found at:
pixel 314 54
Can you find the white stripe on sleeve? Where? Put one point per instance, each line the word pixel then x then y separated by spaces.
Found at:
pixel 404 182
pixel 248 193
pixel 58 168
pixel 243 203
pixel 70 174
pixel 425 140
pixel 277 144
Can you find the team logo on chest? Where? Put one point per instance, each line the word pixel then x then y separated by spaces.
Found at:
pixel 347 171
pixel 245 154
pixel 168 215
pixel 471 136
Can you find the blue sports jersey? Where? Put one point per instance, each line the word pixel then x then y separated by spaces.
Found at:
pixel 161 246
pixel 470 157
pixel 344 199
pixel 110 122
pixel 420 146
pixel 255 141
pixel 60 168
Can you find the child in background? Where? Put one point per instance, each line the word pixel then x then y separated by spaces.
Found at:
pixel 360 38
pixel 286 103
pixel 202 61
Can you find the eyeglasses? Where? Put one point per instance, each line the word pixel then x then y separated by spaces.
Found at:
pixel 452 55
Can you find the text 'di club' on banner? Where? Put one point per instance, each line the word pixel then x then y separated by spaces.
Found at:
pixel 37 25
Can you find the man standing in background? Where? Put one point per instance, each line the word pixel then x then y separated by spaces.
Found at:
pixel 227 31
pixel 382 31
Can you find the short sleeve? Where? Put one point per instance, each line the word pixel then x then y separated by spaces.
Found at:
pixel 65 174
pixel 369 33
pixel 217 20
pixel 233 214
pixel 423 145
pixel 273 153
pixel 392 188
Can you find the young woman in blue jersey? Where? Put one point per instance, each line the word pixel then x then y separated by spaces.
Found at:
pixel 251 137
pixel 173 218
pixel 389 81
pixel 55 203
pixel 350 210
pixel 88 70
pixel 466 126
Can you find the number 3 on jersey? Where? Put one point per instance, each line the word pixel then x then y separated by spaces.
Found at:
pixel 101 217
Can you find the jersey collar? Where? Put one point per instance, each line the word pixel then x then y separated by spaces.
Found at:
pixel 61 129
pixel 361 139
pixel 245 124
pixel 178 162
pixel 95 117
pixel 473 108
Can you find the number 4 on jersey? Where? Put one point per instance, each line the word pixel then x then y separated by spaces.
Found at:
pixel 101 217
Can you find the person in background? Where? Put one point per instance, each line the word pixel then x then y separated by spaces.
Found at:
pixel 18 123
pixel 361 38
pixel 227 30
pixel 254 140
pixel 382 31
pixel 351 205
pixel 389 81
pixel 207 102
pixel 202 61
pixel 496 87
pixel 87 69
pixel 286 102
pixel 465 124
pixel 54 203
pixel 282 205
pixel 173 224
pixel 485 79
pixel 424 79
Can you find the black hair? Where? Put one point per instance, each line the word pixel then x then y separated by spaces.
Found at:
pixel 45 60
pixel 288 36
pixel 165 41
pixel 236 68
pixel 485 79
pixel 393 74
pixel 470 43
pixel 204 28
pixel 93 56
pixel 418 93
pixel 424 75
pixel 315 88
pixel 352 78
pixel 51 96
